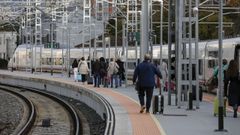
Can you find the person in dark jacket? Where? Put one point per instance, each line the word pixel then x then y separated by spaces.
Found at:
pixel 121 71
pixel 96 72
pixel 145 75
pixel 103 72
pixel 232 77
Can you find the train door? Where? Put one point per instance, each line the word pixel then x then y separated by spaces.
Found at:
pixel 211 62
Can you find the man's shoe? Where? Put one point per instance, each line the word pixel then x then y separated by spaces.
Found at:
pixel 142 109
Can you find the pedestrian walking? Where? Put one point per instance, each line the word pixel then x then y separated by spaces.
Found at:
pixel 83 69
pixel 145 73
pixel 96 73
pixel 232 77
pixel 113 69
pixel 103 72
pixel 164 72
pixel 121 71
pixel 75 69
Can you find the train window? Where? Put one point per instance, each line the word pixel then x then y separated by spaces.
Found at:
pixel 213 54
pixel 211 63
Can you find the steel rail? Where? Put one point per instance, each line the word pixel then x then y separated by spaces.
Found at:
pixel 110 119
pixel 68 107
pixel 32 115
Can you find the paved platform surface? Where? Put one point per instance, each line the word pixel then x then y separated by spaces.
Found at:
pixel 198 122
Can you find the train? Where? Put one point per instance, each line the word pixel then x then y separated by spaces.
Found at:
pixel 39 57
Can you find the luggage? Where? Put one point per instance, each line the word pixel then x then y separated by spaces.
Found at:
pixel 90 80
pixel 158 104
pixel 137 86
pixel 215 106
pixel 79 77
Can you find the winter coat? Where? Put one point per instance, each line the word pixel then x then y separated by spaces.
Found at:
pixel 233 90
pixel 96 67
pixel 103 69
pixel 145 74
pixel 83 67
pixel 121 69
pixel 112 68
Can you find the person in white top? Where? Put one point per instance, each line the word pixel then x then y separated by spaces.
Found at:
pixel 83 69
pixel 164 71
pixel 113 72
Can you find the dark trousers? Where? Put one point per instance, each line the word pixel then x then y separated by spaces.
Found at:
pixel 141 95
pixel 84 77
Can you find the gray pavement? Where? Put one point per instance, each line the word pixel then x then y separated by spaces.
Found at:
pixel 198 122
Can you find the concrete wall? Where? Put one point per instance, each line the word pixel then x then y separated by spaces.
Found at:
pixel 89 97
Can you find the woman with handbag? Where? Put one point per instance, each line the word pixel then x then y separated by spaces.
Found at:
pixel 113 72
pixel 83 69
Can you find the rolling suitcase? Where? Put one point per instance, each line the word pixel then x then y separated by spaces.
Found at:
pixel 90 80
pixel 158 103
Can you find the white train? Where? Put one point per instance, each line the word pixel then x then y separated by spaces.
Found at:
pixel 208 56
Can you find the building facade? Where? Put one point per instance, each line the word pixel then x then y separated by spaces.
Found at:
pixel 7 44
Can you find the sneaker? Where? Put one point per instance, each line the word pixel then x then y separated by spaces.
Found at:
pixel 142 109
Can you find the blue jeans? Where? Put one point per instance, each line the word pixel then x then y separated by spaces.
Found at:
pixel 96 80
pixel 115 78
pixel 141 95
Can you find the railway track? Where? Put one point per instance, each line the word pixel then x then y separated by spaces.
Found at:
pixel 48 114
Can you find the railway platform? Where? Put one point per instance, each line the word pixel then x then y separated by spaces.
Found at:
pixel 129 121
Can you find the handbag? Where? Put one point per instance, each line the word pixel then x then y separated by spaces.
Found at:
pixel 137 86
pixel 115 69
pixel 79 77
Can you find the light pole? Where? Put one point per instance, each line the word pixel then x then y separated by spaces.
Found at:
pixel 220 73
pixel 51 31
pixel 161 31
pixel 115 37
pixel 144 29
pixel 115 19
pixel 68 56
pixel 107 42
